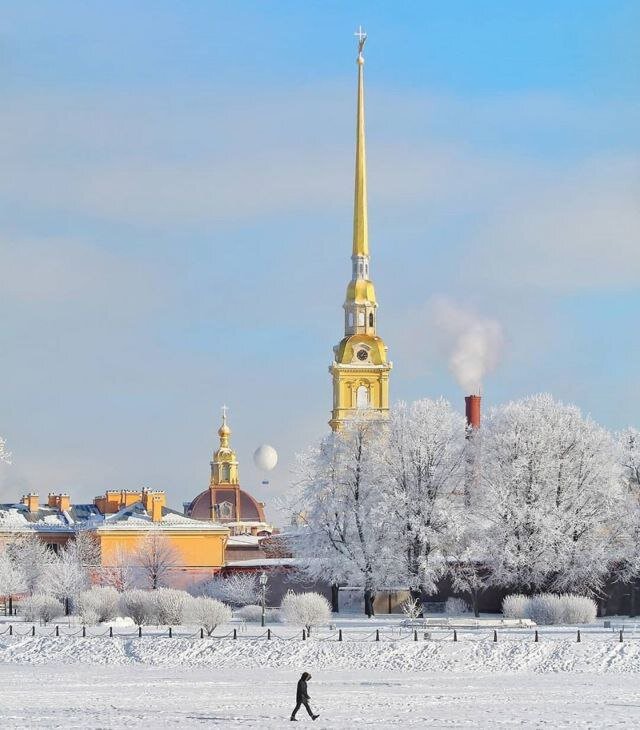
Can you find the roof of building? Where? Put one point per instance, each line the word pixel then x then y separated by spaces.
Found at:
pixel 17 518
pixel 135 517
pixel 250 509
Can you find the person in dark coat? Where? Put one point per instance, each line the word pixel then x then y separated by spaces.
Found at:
pixel 302 697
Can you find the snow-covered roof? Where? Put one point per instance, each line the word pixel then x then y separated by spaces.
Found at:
pixel 135 517
pixel 243 541
pixel 17 518
pixel 261 562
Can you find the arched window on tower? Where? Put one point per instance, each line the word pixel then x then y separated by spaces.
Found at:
pixel 361 319
pixel 350 320
pixel 362 397
pixel 225 473
pixel 370 319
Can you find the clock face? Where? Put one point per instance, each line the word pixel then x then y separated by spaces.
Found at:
pixel 362 354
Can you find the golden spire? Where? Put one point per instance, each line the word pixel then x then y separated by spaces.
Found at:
pixel 224 467
pixel 360 227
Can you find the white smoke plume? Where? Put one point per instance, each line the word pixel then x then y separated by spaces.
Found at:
pixel 473 343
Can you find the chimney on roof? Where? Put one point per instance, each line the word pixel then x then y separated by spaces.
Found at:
pixel 59 501
pixel 158 501
pixel 32 501
pixel 472 411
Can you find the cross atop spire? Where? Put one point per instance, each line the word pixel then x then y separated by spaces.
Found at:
pixel 224 410
pixel 362 39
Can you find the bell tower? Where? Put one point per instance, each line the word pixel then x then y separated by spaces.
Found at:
pixel 360 369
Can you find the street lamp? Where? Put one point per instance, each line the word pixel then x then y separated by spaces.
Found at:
pixel 263 584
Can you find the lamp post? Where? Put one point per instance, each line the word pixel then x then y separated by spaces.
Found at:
pixel 263 584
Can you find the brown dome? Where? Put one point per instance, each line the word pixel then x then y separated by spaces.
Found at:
pixel 225 500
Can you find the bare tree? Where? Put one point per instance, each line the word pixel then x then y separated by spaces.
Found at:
pixel 120 574
pixel 156 556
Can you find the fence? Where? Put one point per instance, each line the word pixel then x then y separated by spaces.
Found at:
pixel 380 635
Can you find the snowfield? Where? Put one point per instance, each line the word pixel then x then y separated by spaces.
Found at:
pixel 162 682
pixel 71 696
pixel 481 655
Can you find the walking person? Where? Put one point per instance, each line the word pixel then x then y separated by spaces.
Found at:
pixel 302 697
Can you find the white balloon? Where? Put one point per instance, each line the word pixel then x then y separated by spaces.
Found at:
pixel 265 457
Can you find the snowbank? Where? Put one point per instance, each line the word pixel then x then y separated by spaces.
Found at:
pixel 482 656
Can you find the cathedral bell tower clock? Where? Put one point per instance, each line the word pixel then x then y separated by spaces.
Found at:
pixel 360 368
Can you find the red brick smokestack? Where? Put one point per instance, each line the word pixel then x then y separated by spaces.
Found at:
pixel 472 411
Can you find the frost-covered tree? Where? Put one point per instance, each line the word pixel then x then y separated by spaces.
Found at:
pixel 629 450
pixel 306 609
pixel 156 556
pixel 98 604
pixel 171 605
pixel 237 589
pixel 86 548
pixel 425 471
pixel 548 494
pixel 12 580
pixel 65 577
pixel 139 606
pixel 208 613
pixel 121 572
pixel 41 607
pixel 338 494
pixel 5 455
pixel 31 556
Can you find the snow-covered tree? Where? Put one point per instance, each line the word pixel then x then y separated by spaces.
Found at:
pixel 5 455
pixel 237 589
pixel 208 613
pixel 12 580
pixel 31 556
pixel 156 556
pixel 41 607
pixel 65 577
pixel 121 572
pixel 98 604
pixel 139 606
pixel 548 494
pixel 629 450
pixel 338 492
pixel 171 605
pixel 425 471
pixel 306 609
pixel 86 548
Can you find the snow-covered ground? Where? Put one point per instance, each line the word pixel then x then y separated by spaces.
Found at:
pixel 71 696
pixel 156 681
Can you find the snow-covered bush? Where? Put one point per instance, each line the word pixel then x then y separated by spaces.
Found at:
pixel 578 609
pixel 545 609
pixel 516 606
pixel 170 605
pixel 41 607
pixel 253 614
pixel 208 613
pixel 411 608
pixel 455 606
pixel 306 609
pixel 98 605
pixel 238 589
pixel 139 606
pixel 549 608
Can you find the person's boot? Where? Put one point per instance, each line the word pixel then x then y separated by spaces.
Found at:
pixel 315 717
pixel 293 719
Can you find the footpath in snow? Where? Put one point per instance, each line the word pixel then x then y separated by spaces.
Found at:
pixel 507 655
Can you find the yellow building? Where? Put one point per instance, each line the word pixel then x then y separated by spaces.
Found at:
pixel 128 519
pixel 360 369
pixel 122 523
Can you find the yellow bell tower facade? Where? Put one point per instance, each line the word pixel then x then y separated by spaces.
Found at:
pixel 360 368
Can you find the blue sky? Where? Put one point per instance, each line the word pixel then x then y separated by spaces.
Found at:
pixel 175 214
